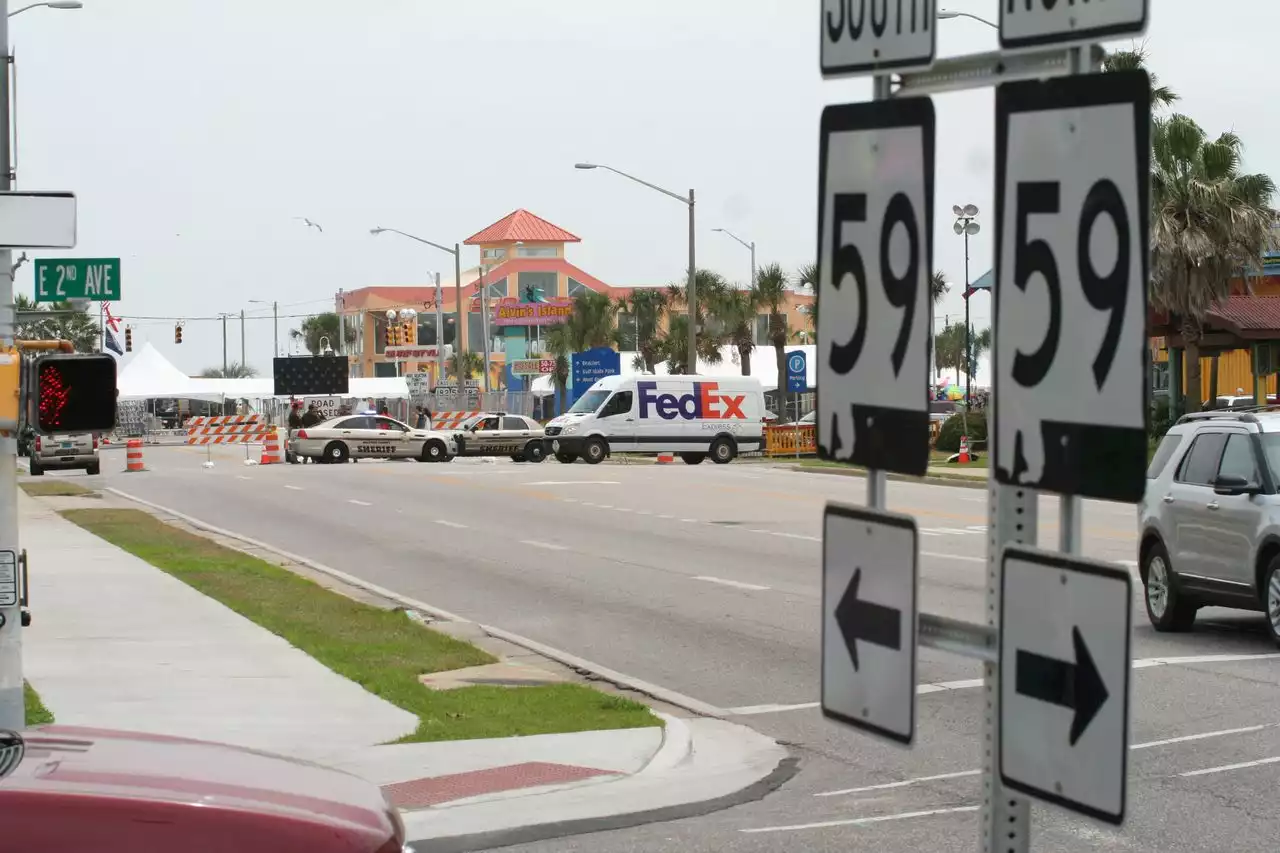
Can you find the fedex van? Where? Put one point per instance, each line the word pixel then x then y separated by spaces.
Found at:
pixel 692 416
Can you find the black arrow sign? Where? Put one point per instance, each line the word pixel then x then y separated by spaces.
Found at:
pixel 1076 686
pixel 866 621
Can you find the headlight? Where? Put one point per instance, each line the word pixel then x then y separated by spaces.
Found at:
pixel 570 429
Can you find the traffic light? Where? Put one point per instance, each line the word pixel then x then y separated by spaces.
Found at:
pixel 411 332
pixel 128 339
pixel 74 393
pixel 177 333
pixel 390 335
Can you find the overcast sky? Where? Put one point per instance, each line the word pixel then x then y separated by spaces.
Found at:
pixel 194 133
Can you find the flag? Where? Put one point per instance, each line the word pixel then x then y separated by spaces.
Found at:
pixel 109 339
pixel 112 322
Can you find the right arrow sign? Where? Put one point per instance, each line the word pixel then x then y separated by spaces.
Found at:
pixel 1064 680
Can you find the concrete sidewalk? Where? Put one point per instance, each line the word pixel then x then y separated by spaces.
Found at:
pixel 117 643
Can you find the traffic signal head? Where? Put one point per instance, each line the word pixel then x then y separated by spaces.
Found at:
pixel 128 339
pixel 177 334
pixel 74 393
pixel 411 333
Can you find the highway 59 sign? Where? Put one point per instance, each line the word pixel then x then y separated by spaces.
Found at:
pixel 1072 211
pixel 875 254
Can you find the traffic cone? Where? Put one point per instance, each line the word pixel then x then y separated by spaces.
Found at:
pixel 964 450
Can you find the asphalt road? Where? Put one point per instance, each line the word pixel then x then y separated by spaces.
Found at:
pixel 705 580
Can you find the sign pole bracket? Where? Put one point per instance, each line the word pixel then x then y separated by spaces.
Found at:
pixel 982 70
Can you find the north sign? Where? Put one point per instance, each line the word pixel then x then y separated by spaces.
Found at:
pixel 1072 220
pixel 875 254
pixel 870 580
pixel 1032 23
pixel 1064 685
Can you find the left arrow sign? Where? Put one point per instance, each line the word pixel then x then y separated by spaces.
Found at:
pixel 867 621
pixel 1076 686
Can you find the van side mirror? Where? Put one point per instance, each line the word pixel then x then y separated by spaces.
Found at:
pixel 1234 484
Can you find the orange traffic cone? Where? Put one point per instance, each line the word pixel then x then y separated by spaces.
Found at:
pixel 964 450
pixel 271 449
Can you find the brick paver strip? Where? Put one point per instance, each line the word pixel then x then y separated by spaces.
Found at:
pixel 421 793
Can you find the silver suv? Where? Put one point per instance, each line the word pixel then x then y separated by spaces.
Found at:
pixel 1210 519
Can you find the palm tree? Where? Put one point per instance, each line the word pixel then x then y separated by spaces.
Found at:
pixel 734 310
pixel 56 321
pixel 468 364
pixel 772 290
pixel 1136 60
pixel 676 343
pixel 593 323
pixel 1210 224
pixel 646 307
pixel 807 276
pixel 234 370
pixel 325 325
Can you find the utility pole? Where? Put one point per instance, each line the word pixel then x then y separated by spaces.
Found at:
pixel 224 344
pixel 439 331
pixel 275 330
pixel 242 360
pixel 12 709
pixel 692 294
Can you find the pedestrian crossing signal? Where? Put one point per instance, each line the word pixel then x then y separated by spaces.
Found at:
pixel 75 393
pixel 128 339
pixel 177 334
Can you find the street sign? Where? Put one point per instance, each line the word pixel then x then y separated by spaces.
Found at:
pixel 61 279
pixel 533 366
pixel 875 254
pixel 870 575
pixel 1029 23
pixel 797 372
pixel 857 40
pixel 1064 680
pixel 37 220
pixel 1072 210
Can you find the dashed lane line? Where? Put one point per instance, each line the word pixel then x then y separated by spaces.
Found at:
pixel 446 523
pixel 549 546
pixel 863 821
pixel 735 584
pixel 358 503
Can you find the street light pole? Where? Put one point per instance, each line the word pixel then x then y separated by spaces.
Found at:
pixel 691 289
pixel 966 225
pixel 242 356
pixel 751 245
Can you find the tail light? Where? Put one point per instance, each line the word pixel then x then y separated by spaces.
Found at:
pixel 302 433
pixel 95 442
pixel 37 442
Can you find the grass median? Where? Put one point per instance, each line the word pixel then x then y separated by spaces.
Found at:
pixel 383 651
pixel 55 489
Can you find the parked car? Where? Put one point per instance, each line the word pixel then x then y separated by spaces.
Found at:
pixel 501 434
pixel 1210 519
pixel 65 789
pixel 70 450
pixel 368 437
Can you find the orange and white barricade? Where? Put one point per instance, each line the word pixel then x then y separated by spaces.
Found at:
pixel 133 453
pixel 226 429
pixel 451 420
pixel 271 454
pixel 666 458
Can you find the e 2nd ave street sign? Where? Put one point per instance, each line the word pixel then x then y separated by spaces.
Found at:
pixel 61 279
pixel 870 583
pixel 1072 211
pixel 867 36
pixel 1030 23
pixel 1064 686
pixel 875 253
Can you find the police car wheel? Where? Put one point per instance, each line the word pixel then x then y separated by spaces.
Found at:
pixel 594 451
pixel 517 457
pixel 722 451
pixel 434 451
pixel 567 458
pixel 534 452
pixel 336 452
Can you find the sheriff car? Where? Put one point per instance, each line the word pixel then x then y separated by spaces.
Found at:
pixel 501 434
pixel 369 437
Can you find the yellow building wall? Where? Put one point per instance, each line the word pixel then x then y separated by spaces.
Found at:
pixel 1235 371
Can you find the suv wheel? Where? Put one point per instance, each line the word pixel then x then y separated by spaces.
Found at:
pixel 1272 598
pixel 1166 608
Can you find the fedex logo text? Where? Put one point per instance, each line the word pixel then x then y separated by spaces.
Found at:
pixel 704 403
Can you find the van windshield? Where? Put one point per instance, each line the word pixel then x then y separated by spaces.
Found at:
pixel 589 402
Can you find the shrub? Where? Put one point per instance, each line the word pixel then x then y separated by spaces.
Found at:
pixel 1160 419
pixel 954 426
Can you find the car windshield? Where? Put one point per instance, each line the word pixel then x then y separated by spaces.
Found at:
pixel 589 402
pixel 1271 450
pixel 472 421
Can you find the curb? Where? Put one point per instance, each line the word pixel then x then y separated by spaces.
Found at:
pixel 962 481
pixel 580 665
pixel 676 747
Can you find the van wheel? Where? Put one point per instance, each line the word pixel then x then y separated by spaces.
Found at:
pixel 434 451
pixel 693 458
pixel 336 452
pixel 567 458
pixel 594 451
pixel 1166 608
pixel 723 450
pixel 534 452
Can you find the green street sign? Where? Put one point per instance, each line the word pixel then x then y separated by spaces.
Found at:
pixel 60 279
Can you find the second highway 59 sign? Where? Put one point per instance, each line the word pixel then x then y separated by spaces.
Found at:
pixel 875 254
pixel 1072 211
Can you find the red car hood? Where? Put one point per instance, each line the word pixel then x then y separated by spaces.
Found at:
pixel 69 760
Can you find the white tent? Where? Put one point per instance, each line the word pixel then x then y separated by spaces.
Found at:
pixel 149 374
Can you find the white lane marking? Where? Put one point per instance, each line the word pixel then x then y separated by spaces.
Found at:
pixel 643 512
pixel 964 773
pixel 1146 662
pixel 294 488
pixel 603 506
pixel 570 500
pixel 445 523
pixel 358 503
pixel 622 509
pixel 749 710
pixel 667 517
pixel 965 684
pixel 1223 733
pixel 1226 768
pixel 573 483
pixel 689 520
pixel 960 557
pixel 902 784
pixel 534 543
pixel 242 477
pixel 735 584
pixel 958 531
pixel 863 821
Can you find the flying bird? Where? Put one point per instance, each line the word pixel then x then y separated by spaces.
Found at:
pixel 310 224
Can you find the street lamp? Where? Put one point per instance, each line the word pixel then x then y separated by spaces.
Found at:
pixel 947 14
pixel 456 251
pixel 691 294
pixel 52 4
pixel 751 246
pixel 966 225
pixel 275 318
